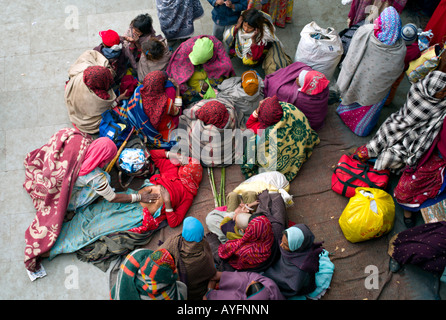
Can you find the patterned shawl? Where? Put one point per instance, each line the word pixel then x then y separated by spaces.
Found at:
pixel 177 17
pixel 253 248
pixel 283 147
pixel 147 274
pixel 154 97
pixel 50 174
pixel 181 68
pixel 407 134
pixel 388 26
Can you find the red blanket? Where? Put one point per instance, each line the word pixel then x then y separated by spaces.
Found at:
pixel 50 173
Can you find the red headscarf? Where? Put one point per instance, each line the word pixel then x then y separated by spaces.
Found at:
pixel 315 82
pixel 99 80
pixel 270 112
pixel 154 97
pixel 100 152
pixel 191 175
pixel 213 112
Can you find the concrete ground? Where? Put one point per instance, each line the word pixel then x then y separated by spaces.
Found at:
pixel 40 40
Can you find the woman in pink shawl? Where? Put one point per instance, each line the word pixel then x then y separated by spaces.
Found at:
pixel 200 55
pixel 303 87
pixel 61 176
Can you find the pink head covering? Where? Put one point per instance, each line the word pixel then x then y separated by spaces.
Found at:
pixel 99 153
pixel 315 82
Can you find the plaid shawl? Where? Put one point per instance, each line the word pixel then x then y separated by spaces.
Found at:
pixel 50 174
pixel 407 134
pixel 141 278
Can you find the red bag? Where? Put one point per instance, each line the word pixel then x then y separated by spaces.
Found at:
pixel 351 173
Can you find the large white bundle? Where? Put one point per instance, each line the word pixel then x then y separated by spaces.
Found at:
pixel 322 54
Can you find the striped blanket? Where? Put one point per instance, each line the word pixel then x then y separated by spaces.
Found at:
pixel 141 278
pixel 132 112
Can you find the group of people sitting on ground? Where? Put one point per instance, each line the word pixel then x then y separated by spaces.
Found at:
pixel 174 98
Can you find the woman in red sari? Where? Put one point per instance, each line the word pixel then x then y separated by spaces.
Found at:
pixel 177 183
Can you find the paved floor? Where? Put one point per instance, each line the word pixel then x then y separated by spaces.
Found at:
pixel 40 40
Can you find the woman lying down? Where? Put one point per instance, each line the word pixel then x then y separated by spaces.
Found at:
pixel 172 192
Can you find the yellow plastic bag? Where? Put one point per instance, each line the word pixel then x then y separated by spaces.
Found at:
pixel 370 213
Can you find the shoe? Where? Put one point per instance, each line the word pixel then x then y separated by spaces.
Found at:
pixel 394 266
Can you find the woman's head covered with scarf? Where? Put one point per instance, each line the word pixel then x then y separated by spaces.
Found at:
pixel 388 26
pixel 163 259
pixel 99 80
pixel 154 97
pixel 213 112
pixel 193 230
pixel 269 112
pixel 202 51
pixel 298 237
pixel 100 152
pixel 312 82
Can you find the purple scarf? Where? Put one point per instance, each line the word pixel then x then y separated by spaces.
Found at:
pixel 282 83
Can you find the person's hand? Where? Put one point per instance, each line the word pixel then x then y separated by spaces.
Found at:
pixel 240 209
pixel 219 2
pixel 253 204
pixel 174 82
pixel 165 195
pixel 123 96
pixel 239 23
pixel 129 39
pixel 149 197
